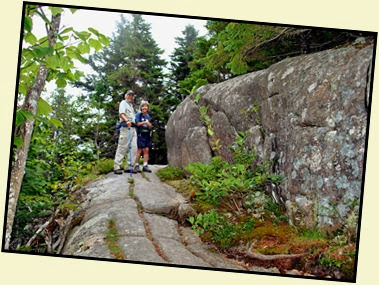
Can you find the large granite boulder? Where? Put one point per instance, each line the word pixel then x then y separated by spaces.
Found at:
pixel 308 114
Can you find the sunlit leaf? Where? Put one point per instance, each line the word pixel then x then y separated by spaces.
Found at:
pixel 67 30
pixel 43 51
pixel 57 123
pixel 22 89
pixel 55 10
pixel 52 62
pixel 61 83
pixel 83 35
pixel 104 40
pixel 28 23
pixel 44 108
pixel 30 38
pixel 84 48
pixel 81 59
pixel 94 31
pixel 27 114
pixel 95 44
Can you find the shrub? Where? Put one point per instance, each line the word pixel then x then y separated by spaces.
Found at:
pixel 170 173
pixel 103 166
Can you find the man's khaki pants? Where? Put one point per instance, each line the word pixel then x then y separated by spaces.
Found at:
pixel 123 147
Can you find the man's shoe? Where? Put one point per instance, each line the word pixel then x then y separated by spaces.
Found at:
pixel 127 170
pixel 118 171
pixel 136 169
pixel 146 169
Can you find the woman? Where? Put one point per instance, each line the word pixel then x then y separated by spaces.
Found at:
pixel 143 136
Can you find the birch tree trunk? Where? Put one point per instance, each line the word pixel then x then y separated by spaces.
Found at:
pixel 26 130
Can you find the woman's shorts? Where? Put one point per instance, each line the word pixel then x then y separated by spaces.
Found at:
pixel 143 141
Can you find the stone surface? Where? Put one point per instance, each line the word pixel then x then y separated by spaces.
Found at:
pixel 162 227
pixel 177 253
pixel 139 249
pixel 308 114
pixel 198 248
pixel 154 198
pixel 146 233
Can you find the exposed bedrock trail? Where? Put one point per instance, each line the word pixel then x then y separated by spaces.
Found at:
pixel 145 219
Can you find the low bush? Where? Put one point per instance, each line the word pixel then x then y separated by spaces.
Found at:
pixel 103 166
pixel 170 173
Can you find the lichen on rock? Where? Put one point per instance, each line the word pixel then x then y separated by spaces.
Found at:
pixel 308 114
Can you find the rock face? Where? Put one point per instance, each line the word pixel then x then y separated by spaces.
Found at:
pixel 307 114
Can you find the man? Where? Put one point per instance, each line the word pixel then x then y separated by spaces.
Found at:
pixel 127 120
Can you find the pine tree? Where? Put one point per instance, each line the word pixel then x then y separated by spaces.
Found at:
pixel 180 59
pixel 131 61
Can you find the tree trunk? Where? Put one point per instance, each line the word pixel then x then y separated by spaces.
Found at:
pixel 26 130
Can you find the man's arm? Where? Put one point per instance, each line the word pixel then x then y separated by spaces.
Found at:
pixel 123 116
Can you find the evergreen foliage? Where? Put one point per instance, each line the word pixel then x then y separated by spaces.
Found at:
pixel 180 59
pixel 231 49
pixel 131 61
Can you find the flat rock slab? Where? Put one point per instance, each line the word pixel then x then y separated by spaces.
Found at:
pixel 95 227
pixel 146 233
pixel 139 249
pixel 154 199
pixel 94 247
pixel 96 222
pixel 162 227
pixel 177 253
pixel 109 189
pixel 169 190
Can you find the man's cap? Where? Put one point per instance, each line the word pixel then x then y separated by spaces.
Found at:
pixel 130 92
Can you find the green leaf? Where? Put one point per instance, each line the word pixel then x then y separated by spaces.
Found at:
pixel 22 88
pixel 78 74
pixel 82 35
pixel 95 44
pixel 55 10
pixel 61 83
pixel 81 59
pixel 44 108
pixel 197 98
pixel 30 38
pixel 71 53
pixel 43 51
pixel 104 39
pixel 57 123
pixel 28 23
pixel 94 31
pixel 67 30
pixel 84 48
pixel 18 142
pixel 28 115
pixel 70 76
pixel 73 10
pixel 20 119
pixel 52 62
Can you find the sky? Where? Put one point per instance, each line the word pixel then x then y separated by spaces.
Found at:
pixel 163 30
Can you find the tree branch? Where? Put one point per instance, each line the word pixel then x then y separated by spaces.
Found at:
pixel 270 257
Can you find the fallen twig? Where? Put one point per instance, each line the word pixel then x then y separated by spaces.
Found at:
pixel 41 228
pixel 270 257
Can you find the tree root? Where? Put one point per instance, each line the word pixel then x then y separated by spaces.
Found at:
pixel 259 256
